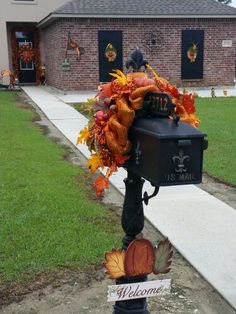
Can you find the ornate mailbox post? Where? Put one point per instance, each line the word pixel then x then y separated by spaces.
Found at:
pixel 138 118
pixel 165 152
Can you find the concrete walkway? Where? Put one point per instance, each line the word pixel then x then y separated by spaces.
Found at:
pixel 82 96
pixel 201 227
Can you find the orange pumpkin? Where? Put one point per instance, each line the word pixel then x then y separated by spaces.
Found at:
pixel 139 258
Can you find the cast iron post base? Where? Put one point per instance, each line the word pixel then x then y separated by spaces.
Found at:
pixel 132 222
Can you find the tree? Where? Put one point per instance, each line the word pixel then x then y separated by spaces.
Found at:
pixel 225 1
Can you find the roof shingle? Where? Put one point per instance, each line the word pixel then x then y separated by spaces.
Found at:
pixel 146 8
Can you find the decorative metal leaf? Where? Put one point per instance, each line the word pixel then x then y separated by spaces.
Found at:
pixel 114 264
pixel 163 255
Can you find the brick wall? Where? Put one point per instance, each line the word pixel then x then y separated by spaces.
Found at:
pixel 219 62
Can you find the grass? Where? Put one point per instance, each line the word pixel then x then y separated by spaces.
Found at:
pixel 85 109
pixel 218 120
pixel 47 219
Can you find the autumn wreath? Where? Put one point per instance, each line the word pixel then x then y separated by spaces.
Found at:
pixel 106 134
pixel 26 53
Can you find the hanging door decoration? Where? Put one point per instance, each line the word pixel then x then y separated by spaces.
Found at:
pixel 72 44
pixel 26 53
pixel 110 53
pixel 192 54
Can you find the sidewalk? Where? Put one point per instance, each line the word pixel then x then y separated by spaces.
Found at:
pixel 82 96
pixel 201 227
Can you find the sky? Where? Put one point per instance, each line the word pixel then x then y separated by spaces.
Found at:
pixel 233 3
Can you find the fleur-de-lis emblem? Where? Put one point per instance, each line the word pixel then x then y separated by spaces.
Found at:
pixel 179 161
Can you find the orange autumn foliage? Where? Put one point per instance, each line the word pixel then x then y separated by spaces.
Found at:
pixel 100 184
pixel 107 132
pixel 94 162
pixel 83 136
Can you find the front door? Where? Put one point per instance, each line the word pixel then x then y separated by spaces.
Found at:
pixel 26 64
pixel 110 53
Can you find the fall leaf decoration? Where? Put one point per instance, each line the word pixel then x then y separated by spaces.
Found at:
pixel 188 103
pixel 106 134
pixel 83 136
pixel 94 162
pixel 100 184
pixel 139 258
pixel 26 53
pixel 163 255
pixel 114 263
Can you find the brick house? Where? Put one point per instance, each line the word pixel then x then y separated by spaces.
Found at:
pixel 165 31
pixel 191 43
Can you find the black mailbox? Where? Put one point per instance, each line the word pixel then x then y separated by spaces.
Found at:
pixel 166 153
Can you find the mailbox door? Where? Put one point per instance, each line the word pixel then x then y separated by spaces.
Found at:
pixel 165 154
pixel 181 161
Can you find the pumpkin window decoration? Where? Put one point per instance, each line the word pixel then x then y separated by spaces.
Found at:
pixel 192 53
pixel 26 53
pixel 110 53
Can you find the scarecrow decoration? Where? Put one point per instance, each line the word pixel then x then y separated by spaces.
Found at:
pixel 115 107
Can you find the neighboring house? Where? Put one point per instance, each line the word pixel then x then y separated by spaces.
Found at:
pixel 18 24
pixel 191 43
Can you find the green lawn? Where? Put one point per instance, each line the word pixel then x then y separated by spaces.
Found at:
pixel 218 120
pixel 47 219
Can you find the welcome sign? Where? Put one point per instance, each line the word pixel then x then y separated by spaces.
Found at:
pixel 139 290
